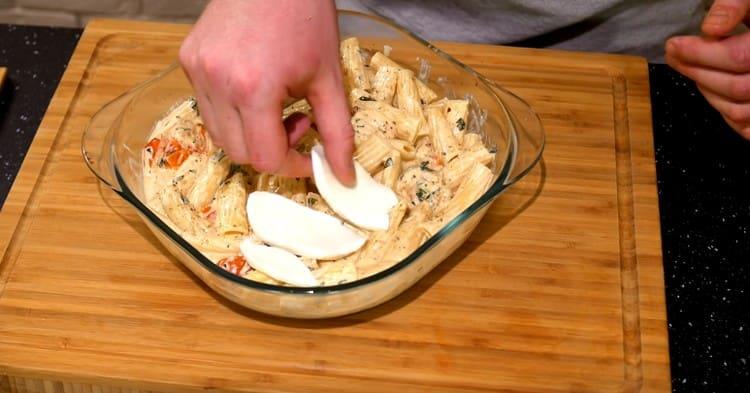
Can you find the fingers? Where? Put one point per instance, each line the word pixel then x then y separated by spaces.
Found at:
pixel 728 93
pixel 266 137
pixel 733 86
pixel 326 96
pixel 296 126
pixel 729 54
pixel 742 129
pixel 724 16
pixel 736 114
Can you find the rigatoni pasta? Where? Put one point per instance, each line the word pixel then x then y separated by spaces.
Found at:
pixel 230 202
pixel 442 135
pixel 384 84
pixel 352 64
pixel 405 137
pixel 372 152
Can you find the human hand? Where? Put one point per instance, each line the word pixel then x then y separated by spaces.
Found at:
pixel 719 62
pixel 244 58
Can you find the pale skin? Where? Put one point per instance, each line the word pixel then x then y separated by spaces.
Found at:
pixel 719 62
pixel 245 58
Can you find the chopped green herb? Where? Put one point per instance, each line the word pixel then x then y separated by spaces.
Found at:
pixel 184 199
pixel 388 162
pixel 461 124
pixel 366 98
pixel 423 194
pixel 425 166
pixel 311 201
pixel 219 155
pixel 492 150
pixel 194 105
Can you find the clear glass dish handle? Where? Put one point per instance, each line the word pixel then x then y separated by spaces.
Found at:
pixel 96 144
pixel 529 138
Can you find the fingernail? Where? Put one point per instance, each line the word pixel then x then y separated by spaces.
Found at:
pixel 672 45
pixel 717 16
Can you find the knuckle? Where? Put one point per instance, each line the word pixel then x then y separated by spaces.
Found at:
pixel 737 113
pixel 263 162
pixel 740 90
pixel 740 55
pixel 243 87
pixel 186 55
pixel 210 65
pixel 236 152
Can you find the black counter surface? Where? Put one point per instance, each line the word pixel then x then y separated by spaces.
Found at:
pixel 35 58
pixel 703 171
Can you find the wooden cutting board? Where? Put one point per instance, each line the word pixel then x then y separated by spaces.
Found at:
pixel 2 75
pixel 559 289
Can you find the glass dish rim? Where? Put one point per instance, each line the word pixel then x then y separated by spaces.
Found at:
pixel 497 187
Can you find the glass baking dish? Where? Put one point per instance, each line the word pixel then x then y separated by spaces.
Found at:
pixel 113 142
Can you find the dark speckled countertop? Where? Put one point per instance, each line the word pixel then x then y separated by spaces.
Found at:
pixel 703 171
pixel 35 58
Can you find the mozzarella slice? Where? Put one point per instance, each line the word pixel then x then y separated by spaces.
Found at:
pixel 277 263
pixel 366 205
pixel 281 222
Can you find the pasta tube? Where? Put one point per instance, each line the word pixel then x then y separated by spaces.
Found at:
pixel 404 148
pixel 372 152
pixel 442 135
pixel 188 173
pixel 384 84
pixel 373 256
pixel 352 64
pixel 392 121
pixel 406 93
pixel 476 182
pixel 455 171
pixel 407 240
pixel 368 122
pixel 426 95
pixel 180 212
pixel 230 201
pixel 209 179
pixel 392 169
pixel 456 112
pixel 471 141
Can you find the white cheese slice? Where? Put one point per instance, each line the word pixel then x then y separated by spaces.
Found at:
pixel 284 223
pixel 367 204
pixel 277 263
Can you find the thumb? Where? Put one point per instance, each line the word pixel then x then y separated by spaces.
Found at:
pixel 326 96
pixel 724 16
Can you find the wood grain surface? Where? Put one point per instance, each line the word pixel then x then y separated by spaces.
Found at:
pixel 3 71
pixel 559 289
